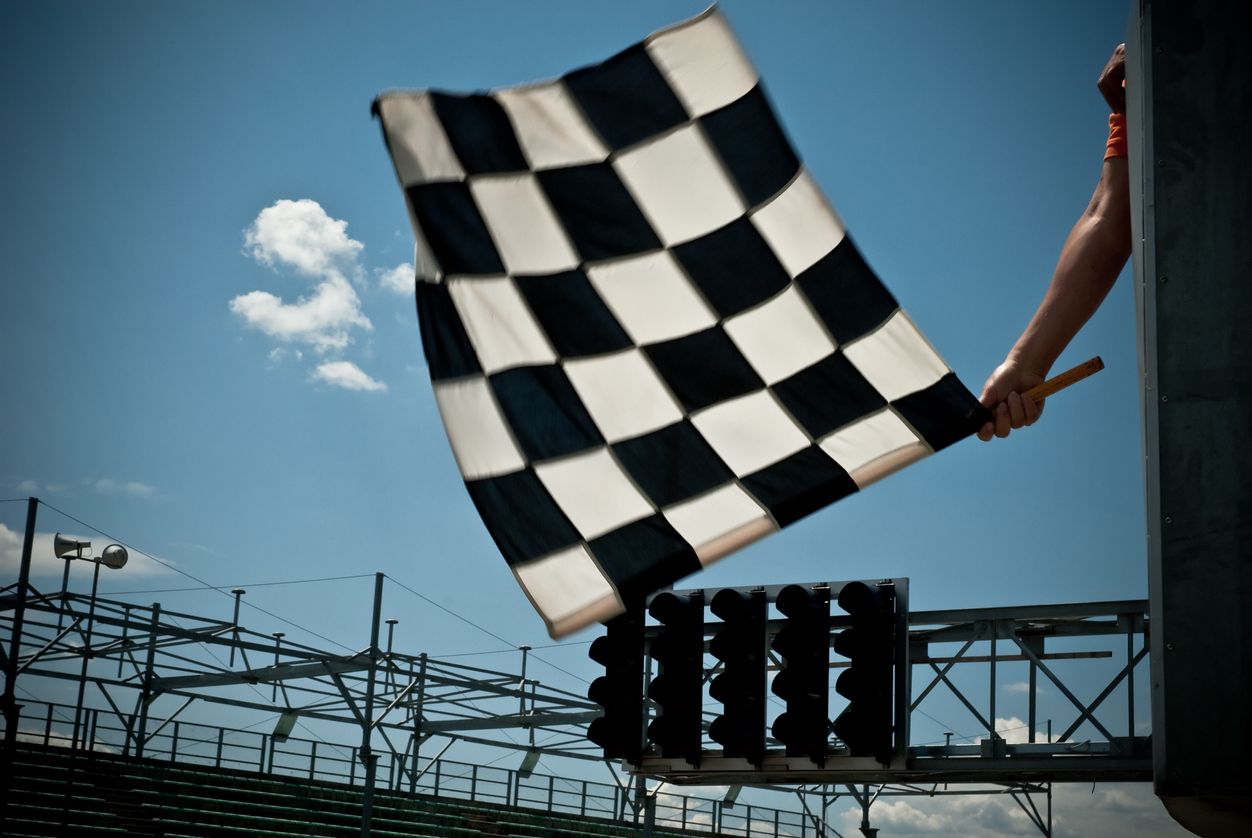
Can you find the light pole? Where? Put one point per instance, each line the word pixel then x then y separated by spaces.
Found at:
pixel 113 557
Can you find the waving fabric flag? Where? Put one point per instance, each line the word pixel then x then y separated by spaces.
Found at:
pixel 650 339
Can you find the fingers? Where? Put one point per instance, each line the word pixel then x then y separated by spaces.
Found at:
pixel 1111 80
pixel 1017 415
pixel 1009 415
pixel 1002 420
pixel 1030 411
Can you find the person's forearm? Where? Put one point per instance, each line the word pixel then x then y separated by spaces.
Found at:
pixel 1090 261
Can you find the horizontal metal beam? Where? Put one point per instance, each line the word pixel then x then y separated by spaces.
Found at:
pixel 1050 656
pixel 266 674
pixel 858 770
pixel 514 720
pixel 1060 611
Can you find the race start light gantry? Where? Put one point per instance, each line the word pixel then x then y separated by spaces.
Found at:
pixel 653 690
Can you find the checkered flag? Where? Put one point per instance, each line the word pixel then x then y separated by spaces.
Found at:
pixel 650 339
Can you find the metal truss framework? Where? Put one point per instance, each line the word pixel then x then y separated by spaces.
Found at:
pixel 146 666
pixel 988 637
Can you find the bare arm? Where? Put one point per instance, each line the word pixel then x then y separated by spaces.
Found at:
pixel 1093 255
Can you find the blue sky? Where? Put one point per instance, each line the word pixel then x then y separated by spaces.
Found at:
pixel 143 142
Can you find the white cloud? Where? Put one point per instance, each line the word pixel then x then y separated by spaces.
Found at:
pixel 1020 688
pixel 398 280
pixel 347 375
pixel 130 488
pixel 58 740
pixel 1015 731
pixel 300 235
pixel 323 319
pixel 34 487
pixel 1078 809
pixel 45 564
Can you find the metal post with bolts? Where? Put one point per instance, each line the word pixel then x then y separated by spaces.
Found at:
pixel 234 622
pixel 82 677
pixel 367 724
pixel 278 640
pixel 13 710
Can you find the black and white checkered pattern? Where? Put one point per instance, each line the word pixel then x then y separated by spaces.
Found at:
pixel 650 339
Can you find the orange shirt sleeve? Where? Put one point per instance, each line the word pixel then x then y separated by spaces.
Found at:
pixel 1116 146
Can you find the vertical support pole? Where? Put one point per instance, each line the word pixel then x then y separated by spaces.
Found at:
pixel 65 583
pixel 391 676
pixel 278 643
pixel 1031 707
pixel 12 711
pixel 121 659
pixel 521 684
pixel 82 675
pixel 1130 681
pixel 991 715
pixel 417 721
pixel 234 623
pixel 145 698
pixel 866 800
pixel 368 757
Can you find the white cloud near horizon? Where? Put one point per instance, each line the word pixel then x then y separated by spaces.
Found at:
pixel 130 488
pixel 348 376
pixel 34 487
pixel 300 236
pixel 45 564
pixel 1077 809
pixel 397 280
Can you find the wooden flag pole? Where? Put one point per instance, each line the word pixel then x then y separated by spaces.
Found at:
pixel 1059 382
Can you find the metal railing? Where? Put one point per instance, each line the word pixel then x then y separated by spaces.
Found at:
pixel 194 743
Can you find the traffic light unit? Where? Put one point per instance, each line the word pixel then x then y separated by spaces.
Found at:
pixel 678 688
pixel 619 691
pixel 875 680
pixel 866 726
pixel 739 643
pixel 804 682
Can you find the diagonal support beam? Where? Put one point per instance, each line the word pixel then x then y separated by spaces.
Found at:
pixel 936 681
pixel 961 696
pixel 1060 686
pixel 1112 685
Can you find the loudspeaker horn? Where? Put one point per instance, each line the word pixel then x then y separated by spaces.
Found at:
pixel 64 547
